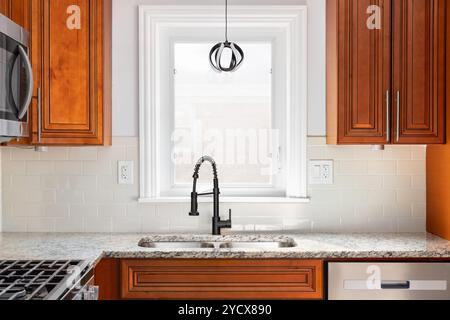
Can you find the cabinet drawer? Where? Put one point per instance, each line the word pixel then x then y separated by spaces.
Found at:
pixel 222 279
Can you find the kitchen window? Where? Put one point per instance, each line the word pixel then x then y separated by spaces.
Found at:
pixel 252 121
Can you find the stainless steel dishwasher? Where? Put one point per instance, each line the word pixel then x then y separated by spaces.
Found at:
pixel 388 281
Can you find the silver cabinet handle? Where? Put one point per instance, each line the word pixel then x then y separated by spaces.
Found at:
pixel 39 114
pixel 29 93
pixel 388 118
pixel 398 116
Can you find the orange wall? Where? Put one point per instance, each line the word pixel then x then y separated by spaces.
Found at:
pixel 438 171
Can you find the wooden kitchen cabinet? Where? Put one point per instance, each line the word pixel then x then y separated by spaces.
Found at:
pixel 419 73
pixel 17 10
pixel 71 62
pixel 386 85
pixel 215 279
pixel 71 49
pixel 5 7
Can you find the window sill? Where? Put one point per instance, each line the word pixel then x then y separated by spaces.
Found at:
pixel 227 200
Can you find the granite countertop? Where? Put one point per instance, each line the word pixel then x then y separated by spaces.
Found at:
pixel 92 247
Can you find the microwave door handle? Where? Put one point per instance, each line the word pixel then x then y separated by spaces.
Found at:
pixel 29 95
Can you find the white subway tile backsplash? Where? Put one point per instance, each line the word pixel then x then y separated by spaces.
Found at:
pixel 40 168
pixel 68 196
pixel 382 167
pixel 418 152
pixel 97 224
pixel 86 183
pixel 410 196
pixel 302 225
pixel 14 223
pixel 114 153
pixel 80 154
pixel 410 167
pixel 56 211
pixel 69 168
pixel 367 210
pixel 368 182
pixel 83 210
pixel 55 154
pixel 366 153
pixel 340 152
pixel 382 224
pixel 347 167
pixel 111 210
pixel 411 225
pixel 126 224
pixel 69 224
pixel 355 196
pixel 103 167
pixel 13 167
pixel 99 197
pixel 18 154
pixel 76 190
pixel 419 210
pixel 397 153
pixel 21 209
pixel 397 182
pixel 419 182
pixel 25 182
pixel 41 224
pixel 382 196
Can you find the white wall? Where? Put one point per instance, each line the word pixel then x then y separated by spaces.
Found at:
pixel 76 190
pixel 125 60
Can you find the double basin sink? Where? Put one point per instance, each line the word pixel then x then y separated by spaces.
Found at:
pixel 216 243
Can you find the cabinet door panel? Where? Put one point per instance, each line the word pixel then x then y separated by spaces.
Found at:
pixel 419 47
pixel 364 72
pixel 5 7
pixel 222 279
pixel 67 98
pixel 72 43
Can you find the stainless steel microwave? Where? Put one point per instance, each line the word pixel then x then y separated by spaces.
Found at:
pixel 16 80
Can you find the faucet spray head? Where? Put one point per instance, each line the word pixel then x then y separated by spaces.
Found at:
pixel 194 205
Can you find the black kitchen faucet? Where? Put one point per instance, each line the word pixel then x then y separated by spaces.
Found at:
pixel 217 223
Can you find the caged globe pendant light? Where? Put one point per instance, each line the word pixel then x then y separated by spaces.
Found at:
pixel 237 54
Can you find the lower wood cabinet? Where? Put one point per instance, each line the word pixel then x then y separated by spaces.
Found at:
pixel 212 279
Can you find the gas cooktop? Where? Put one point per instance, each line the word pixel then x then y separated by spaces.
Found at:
pixel 39 280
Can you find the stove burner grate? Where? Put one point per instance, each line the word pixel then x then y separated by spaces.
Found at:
pixel 35 280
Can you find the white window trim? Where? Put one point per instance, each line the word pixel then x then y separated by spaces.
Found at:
pixel 152 19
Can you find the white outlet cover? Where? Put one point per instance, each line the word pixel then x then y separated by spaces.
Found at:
pixel 125 172
pixel 321 172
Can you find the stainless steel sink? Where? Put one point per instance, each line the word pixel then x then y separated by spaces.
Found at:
pixel 262 245
pixel 257 245
pixel 177 245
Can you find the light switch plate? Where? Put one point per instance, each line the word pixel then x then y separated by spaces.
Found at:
pixel 125 172
pixel 321 172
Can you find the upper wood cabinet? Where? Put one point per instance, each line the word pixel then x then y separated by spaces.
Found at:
pixel 419 73
pixel 386 85
pixel 71 57
pixel 18 11
pixel 71 48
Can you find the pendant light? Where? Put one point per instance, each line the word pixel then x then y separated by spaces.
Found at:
pixel 237 54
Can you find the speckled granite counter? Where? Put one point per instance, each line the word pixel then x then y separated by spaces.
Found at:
pixel 92 247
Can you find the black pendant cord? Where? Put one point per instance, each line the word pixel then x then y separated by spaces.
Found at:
pixel 226 20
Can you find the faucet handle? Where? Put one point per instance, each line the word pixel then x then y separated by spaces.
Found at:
pixel 229 222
